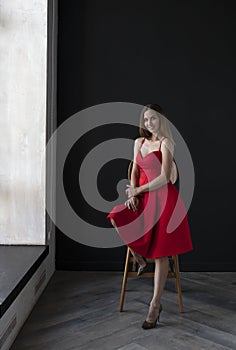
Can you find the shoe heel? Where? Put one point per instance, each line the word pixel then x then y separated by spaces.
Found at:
pixel 149 325
pixel 160 310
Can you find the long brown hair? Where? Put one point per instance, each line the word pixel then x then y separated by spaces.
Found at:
pixel 164 123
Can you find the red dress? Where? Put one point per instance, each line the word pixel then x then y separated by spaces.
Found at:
pixel 159 226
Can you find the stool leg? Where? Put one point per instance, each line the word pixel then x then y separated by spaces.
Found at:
pixel 177 282
pixel 124 280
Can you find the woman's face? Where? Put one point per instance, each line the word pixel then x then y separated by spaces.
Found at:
pixel 151 121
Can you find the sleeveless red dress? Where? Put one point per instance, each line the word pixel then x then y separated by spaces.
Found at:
pixel 159 226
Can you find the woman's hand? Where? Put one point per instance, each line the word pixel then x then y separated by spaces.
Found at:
pixel 132 203
pixel 132 191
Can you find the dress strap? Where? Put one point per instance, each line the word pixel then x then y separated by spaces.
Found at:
pixel 141 143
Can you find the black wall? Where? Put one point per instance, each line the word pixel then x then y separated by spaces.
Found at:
pixel 181 55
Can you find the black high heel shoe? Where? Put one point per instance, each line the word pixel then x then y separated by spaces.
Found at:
pixel 142 269
pixel 149 325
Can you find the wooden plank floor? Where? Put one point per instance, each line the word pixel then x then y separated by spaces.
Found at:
pixel 80 311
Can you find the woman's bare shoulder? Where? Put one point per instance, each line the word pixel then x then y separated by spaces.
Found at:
pixel 169 144
pixel 138 140
pixel 137 144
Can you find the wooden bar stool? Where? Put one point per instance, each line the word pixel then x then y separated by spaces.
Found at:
pixel 173 273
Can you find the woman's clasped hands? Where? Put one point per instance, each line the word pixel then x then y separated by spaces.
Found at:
pixel 132 191
pixel 132 201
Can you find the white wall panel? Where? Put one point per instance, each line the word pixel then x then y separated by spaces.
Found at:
pixel 23 62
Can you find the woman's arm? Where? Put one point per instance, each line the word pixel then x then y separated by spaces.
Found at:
pixel 163 178
pixel 133 201
pixel 135 172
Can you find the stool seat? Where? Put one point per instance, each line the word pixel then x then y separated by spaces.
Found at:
pixel 172 273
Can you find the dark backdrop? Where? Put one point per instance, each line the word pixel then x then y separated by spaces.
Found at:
pixel 181 55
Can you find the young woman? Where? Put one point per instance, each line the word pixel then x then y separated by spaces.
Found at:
pixel 142 221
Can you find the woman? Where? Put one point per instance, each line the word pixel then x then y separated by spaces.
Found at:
pixel 142 222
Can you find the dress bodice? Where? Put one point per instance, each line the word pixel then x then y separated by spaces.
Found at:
pixel 150 165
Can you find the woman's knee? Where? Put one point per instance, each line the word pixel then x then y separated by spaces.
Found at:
pixel 113 222
pixel 162 259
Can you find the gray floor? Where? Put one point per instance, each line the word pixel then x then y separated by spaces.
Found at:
pixel 80 310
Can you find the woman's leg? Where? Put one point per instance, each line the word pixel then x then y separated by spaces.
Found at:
pixel 160 276
pixel 114 224
pixel 137 256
